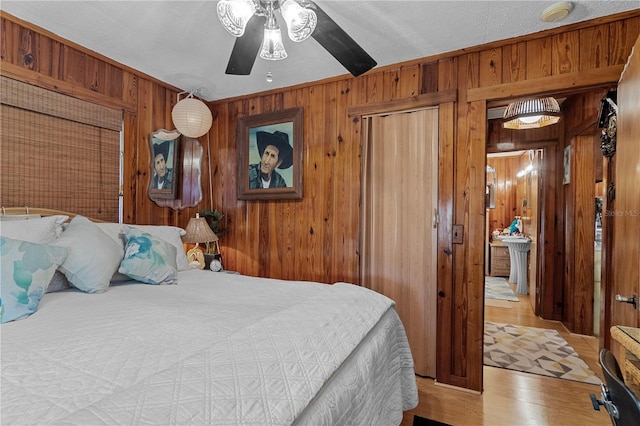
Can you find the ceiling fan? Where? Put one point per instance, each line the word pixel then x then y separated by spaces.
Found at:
pixel 254 24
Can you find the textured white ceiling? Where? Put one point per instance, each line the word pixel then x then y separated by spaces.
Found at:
pixel 181 42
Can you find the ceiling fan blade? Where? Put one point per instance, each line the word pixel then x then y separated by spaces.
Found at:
pixel 245 48
pixel 340 44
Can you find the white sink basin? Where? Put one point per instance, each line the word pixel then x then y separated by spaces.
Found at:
pixel 516 240
pixel 514 237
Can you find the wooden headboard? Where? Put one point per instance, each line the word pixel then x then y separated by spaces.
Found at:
pixel 10 211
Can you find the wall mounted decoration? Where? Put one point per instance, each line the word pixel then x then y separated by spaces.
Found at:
pixel 490 189
pixel 566 177
pixel 175 170
pixel 608 122
pixel 270 156
pixel 164 146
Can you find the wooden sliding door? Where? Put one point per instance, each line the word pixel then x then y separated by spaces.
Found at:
pixel 398 256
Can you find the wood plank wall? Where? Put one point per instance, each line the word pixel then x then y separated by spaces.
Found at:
pixel 506 192
pixel 511 190
pixel 317 238
pixel 582 136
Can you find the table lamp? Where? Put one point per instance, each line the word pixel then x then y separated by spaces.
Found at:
pixel 198 231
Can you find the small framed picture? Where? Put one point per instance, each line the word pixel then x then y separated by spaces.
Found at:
pixel 164 147
pixel 566 178
pixel 270 156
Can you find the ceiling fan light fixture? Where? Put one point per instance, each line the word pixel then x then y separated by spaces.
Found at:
pixel 234 15
pixel 272 47
pixel 300 21
pixel 531 113
pixel 304 18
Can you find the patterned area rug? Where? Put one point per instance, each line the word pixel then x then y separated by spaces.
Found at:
pixel 498 288
pixel 534 350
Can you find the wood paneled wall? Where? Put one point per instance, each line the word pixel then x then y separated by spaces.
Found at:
pixel 583 139
pixel 511 191
pixel 317 238
pixel 506 192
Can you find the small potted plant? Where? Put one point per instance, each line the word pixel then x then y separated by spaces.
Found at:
pixel 213 218
pixel 212 251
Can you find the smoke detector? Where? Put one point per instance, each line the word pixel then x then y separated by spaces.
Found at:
pixel 556 12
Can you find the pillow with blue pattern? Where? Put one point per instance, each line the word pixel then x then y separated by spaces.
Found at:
pixel 25 271
pixel 148 258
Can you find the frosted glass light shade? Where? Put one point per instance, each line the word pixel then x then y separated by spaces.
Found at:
pixel 300 21
pixel 192 117
pixel 234 15
pixel 272 47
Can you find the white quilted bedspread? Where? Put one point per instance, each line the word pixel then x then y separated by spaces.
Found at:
pixel 214 349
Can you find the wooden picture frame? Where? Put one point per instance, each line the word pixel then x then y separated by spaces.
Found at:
pixel 166 144
pixel 279 134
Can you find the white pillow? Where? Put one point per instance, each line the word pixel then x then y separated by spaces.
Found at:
pixel 93 256
pixel 40 231
pixel 114 231
pixel 170 234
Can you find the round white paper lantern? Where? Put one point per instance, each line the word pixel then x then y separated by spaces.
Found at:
pixel 192 117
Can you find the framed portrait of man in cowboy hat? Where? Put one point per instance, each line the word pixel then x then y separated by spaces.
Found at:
pixel 270 156
pixel 164 152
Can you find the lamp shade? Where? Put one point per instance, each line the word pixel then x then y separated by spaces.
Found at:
pixel 192 117
pixel 531 113
pixel 198 231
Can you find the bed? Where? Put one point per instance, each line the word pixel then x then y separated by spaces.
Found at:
pixel 197 347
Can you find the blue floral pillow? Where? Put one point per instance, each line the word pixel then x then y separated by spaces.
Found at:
pixel 148 259
pixel 25 271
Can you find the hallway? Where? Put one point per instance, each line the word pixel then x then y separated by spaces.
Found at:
pixel 512 397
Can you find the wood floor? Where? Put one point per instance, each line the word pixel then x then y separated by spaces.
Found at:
pixel 514 398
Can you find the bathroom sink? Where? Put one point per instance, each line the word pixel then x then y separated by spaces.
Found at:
pixel 515 239
pixel 518 248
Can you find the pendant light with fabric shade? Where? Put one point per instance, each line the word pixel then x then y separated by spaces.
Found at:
pixel 191 116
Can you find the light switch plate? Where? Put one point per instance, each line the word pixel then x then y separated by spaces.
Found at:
pixel 457 234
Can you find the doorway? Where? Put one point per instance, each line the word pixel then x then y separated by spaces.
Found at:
pixel 559 273
pixel 518 194
pixel 568 165
pixel 513 209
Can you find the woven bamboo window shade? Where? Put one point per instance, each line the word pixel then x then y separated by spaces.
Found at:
pixel 58 152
